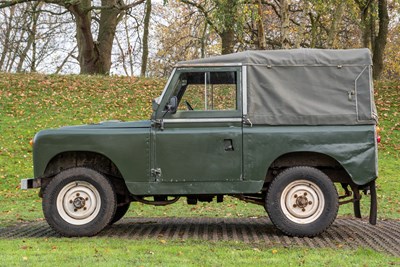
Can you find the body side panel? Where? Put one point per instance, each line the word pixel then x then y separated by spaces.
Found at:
pixel 354 147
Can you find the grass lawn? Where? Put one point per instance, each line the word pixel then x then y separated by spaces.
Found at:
pixel 124 252
pixel 29 103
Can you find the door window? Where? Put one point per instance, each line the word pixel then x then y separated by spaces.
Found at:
pixel 207 91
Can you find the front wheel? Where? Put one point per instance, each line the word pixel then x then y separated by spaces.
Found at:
pixel 120 212
pixel 79 202
pixel 302 201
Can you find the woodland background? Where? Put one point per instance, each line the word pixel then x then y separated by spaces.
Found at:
pixel 147 37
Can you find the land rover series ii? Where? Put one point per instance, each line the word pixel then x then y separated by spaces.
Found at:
pixel 274 128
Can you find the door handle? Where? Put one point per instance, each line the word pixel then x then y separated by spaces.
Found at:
pixel 228 145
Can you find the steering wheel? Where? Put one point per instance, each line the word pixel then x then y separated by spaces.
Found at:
pixel 189 107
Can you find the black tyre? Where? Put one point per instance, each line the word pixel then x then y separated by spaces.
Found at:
pixel 79 202
pixel 120 212
pixel 302 201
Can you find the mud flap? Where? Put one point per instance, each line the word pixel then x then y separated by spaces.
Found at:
pixel 356 203
pixel 373 211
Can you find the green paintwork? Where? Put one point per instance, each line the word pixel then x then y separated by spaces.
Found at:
pixel 202 151
pixel 126 144
pixel 352 146
pixel 193 155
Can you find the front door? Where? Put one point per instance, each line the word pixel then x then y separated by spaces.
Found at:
pixel 202 142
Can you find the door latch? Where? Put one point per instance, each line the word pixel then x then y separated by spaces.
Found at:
pixel 228 144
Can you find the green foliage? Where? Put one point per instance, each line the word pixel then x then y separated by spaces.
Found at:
pixel 387 99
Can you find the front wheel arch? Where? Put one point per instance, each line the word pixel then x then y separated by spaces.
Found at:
pixel 92 160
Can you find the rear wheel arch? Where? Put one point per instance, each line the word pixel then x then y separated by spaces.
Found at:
pixel 323 162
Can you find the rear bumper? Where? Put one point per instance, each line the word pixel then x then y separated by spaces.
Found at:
pixel 30 183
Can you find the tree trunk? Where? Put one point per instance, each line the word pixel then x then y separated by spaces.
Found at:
pixel 107 28
pixel 229 12
pixel 203 41
pixel 300 33
pixel 366 22
pixel 381 38
pixel 95 57
pixel 6 41
pixel 87 49
pixel 262 44
pixel 285 24
pixel 314 29
pixel 337 17
pixel 145 53
pixel 228 41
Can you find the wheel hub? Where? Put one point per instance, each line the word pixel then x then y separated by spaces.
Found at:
pixel 79 202
pixel 302 201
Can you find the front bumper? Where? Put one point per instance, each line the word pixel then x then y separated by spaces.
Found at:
pixel 30 183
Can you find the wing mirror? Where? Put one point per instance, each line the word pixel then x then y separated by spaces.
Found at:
pixel 154 104
pixel 172 105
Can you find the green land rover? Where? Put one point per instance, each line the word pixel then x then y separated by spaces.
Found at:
pixel 274 128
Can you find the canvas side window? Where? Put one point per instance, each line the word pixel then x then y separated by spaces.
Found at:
pixel 207 91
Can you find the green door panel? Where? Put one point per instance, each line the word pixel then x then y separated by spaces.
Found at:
pixel 198 152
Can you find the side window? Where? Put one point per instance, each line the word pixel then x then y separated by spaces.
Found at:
pixel 207 91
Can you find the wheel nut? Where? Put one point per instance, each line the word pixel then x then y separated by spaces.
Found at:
pixel 87 199
pixel 70 201
pixel 84 208
pixel 295 196
pixel 303 209
pixel 305 193
pixel 309 202
pixel 75 210
pixel 294 205
pixel 77 194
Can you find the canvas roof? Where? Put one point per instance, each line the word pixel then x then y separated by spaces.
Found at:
pixel 299 57
pixel 304 86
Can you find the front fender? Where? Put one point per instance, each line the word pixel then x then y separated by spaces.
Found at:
pixel 127 148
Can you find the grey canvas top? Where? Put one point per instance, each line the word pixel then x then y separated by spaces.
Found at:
pixel 304 86
pixel 294 57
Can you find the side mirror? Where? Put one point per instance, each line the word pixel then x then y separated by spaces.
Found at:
pixel 154 104
pixel 172 105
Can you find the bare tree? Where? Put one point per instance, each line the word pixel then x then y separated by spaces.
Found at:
pixel 145 50
pixel 94 53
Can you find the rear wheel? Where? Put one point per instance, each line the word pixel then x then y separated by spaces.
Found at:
pixel 302 201
pixel 79 202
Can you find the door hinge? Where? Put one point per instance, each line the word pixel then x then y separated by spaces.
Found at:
pixel 247 121
pixel 156 172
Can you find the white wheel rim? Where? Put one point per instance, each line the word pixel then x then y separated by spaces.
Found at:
pixel 302 202
pixel 78 203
